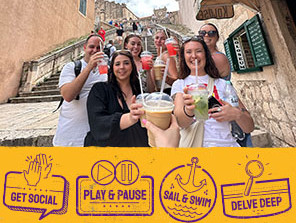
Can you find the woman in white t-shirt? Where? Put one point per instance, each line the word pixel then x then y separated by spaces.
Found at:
pixel 216 128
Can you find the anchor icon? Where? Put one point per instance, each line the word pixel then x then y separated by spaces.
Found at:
pixel 190 186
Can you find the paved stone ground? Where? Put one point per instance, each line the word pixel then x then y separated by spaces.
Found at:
pixel 28 124
pixel 34 124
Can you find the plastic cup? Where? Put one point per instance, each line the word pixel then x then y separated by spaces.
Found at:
pixel 170 46
pixel 157 67
pixel 158 109
pixel 146 56
pixel 103 65
pixel 139 100
pixel 200 95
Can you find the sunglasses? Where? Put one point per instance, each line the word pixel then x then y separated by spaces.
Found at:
pixel 193 38
pixel 210 33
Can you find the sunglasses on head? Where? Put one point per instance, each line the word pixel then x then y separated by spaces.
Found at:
pixel 193 38
pixel 210 33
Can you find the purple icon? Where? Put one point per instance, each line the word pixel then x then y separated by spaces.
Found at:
pixel 188 193
pixel 129 195
pixel 49 197
pixel 256 199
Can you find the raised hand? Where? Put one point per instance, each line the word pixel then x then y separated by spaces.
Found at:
pixel 46 168
pixel 33 174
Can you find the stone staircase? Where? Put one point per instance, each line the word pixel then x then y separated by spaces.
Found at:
pixel 45 92
pixel 48 91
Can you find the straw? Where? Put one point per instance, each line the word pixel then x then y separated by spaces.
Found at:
pixel 146 43
pixel 141 86
pixel 196 72
pixel 101 47
pixel 166 33
pixel 165 75
pixel 160 50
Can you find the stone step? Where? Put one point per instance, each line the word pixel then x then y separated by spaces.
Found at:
pixel 40 93
pixel 261 138
pixel 45 87
pixel 54 78
pixel 50 82
pixel 34 99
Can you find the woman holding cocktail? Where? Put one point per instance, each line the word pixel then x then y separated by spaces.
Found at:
pixel 113 114
pixel 162 53
pixel 215 130
pixel 133 43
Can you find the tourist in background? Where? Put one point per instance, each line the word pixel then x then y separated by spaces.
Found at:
pixel 102 33
pixel 119 32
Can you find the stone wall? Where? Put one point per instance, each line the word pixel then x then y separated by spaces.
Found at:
pixel 269 95
pixel 31 28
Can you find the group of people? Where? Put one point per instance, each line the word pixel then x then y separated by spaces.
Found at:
pixel 107 114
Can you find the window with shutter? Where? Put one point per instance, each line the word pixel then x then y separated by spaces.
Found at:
pixel 247 49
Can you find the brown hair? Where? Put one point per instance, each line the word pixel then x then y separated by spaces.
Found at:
pixel 210 67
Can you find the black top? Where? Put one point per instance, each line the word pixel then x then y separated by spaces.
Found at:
pixel 104 113
pixel 119 32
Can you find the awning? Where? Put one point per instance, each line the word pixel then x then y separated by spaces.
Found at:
pixel 221 9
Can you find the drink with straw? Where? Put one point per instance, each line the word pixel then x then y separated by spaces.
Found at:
pixel 103 65
pixel 139 100
pixel 146 56
pixel 170 46
pixel 199 94
pixel 158 66
pixel 158 109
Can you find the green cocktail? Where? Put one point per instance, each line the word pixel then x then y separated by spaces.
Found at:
pixel 200 96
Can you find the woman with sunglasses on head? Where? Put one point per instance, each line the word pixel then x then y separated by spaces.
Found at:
pixel 113 114
pixel 133 43
pixel 211 35
pixel 216 128
pixel 162 53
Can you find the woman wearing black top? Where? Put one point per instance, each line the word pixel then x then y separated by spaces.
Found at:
pixel 113 114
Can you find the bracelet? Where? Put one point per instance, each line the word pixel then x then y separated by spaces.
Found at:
pixel 190 116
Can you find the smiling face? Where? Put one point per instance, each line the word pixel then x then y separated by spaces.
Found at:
pixel 122 68
pixel 134 45
pixel 210 40
pixel 194 50
pixel 159 39
pixel 92 46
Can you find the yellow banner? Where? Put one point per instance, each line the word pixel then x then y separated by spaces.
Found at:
pixel 147 184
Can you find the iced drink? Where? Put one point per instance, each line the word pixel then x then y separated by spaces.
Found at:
pixel 170 46
pixel 146 56
pixel 103 65
pixel 158 109
pixel 200 96
pixel 158 66
pixel 139 100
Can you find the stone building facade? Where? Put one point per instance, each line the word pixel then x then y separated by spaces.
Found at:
pixel 32 28
pixel 107 11
pixel 269 94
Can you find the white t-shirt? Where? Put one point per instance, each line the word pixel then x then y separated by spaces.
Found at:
pixel 216 134
pixel 73 121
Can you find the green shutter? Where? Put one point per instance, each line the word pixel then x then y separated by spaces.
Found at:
pixel 229 50
pixel 257 41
